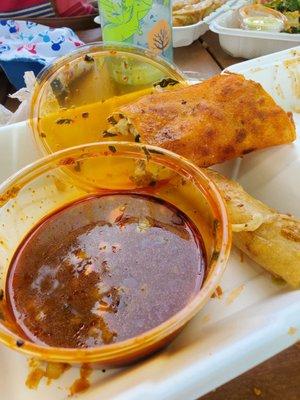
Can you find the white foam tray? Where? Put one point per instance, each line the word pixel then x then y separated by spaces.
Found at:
pixel 252 320
pixel 246 43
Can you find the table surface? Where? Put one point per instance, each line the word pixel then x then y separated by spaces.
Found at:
pixel 277 378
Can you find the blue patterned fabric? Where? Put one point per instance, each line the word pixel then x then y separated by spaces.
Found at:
pixel 26 46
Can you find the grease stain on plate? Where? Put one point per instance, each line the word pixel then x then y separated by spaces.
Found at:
pixel 39 370
pixel 206 318
pixel 234 294
pixel 292 330
pixel 82 383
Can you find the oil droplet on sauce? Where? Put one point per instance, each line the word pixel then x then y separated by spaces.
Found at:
pixel 104 269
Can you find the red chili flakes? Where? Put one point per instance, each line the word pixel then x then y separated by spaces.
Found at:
pixel 67 161
pixel 115 248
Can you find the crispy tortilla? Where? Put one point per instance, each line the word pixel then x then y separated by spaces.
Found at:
pixel 222 118
pixel 269 238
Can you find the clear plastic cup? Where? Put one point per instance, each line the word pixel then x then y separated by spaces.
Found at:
pixel 144 23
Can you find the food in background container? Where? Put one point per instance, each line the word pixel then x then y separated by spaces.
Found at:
pixel 244 43
pixel 189 12
pixel 291 10
pixel 260 18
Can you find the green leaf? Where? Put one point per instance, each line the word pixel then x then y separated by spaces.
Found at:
pixel 284 5
pixel 119 33
pixel 292 5
pixel 142 8
pixel 115 13
pixel 123 18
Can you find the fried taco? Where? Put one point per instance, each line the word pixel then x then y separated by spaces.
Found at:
pixel 222 118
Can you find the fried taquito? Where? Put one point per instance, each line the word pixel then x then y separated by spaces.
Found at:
pixel 269 238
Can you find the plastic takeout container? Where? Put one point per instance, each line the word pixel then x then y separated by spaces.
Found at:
pixel 186 35
pixel 75 95
pixel 66 176
pixel 249 44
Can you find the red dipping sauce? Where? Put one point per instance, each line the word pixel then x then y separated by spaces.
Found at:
pixel 104 269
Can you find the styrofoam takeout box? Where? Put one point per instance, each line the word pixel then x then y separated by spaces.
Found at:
pixel 249 44
pixel 254 319
pixel 186 35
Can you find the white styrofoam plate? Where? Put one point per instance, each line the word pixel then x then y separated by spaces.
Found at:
pixel 248 43
pixel 251 321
